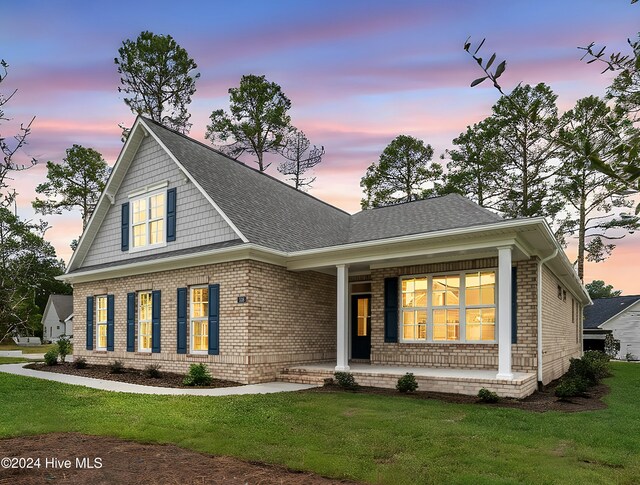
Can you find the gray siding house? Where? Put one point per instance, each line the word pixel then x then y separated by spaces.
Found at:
pixel 619 316
pixel 193 257
pixel 57 318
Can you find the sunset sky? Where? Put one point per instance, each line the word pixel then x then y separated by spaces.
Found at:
pixel 358 74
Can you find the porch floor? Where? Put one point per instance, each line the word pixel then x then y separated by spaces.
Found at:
pixel 459 381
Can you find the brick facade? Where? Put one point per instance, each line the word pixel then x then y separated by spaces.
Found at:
pixel 288 317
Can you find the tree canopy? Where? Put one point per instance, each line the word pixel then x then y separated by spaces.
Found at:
pixel 257 122
pixel 159 76
pixel 300 158
pixel 598 289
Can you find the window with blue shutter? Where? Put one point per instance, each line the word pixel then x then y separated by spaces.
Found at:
pixel 391 310
pixel 214 319
pixel 89 323
pixel 182 321
pixel 124 227
pixel 155 321
pixel 514 305
pixel 110 309
pixel 131 322
pixel 171 215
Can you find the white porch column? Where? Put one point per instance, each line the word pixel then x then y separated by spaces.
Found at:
pixel 504 313
pixel 342 347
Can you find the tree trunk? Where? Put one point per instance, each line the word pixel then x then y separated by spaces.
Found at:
pixel 581 237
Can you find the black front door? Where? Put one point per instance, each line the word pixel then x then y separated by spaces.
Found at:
pixel 360 326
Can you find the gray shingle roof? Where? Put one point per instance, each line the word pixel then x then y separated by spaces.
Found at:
pixel 605 308
pixel 63 305
pixel 271 213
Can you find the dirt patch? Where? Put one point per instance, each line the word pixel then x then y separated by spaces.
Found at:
pixel 131 376
pixel 539 401
pixel 129 462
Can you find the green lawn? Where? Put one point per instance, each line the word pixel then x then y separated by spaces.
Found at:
pixel 13 360
pixel 32 349
pixel 377 439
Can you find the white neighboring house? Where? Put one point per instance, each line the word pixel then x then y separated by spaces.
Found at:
pixel 619 315
pixel 57 319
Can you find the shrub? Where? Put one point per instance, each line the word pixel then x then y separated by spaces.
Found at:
pixel 198 375
pixel 629 357
pixel 346 380
pixel 485 395
pixel 599 362
pixel 611 345
pixel 79 363
pixel 51 357
pixel 152 371
pixel 116 367
pixel 591 367
pixel 329 381
pixel 407 383
pixel 571 387
pixel 64 347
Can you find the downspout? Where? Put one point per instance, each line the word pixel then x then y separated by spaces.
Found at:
pixel 539 299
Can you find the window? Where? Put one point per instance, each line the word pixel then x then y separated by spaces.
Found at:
pixel 144 321
pixel 199 321
pixel 148 220
pixel 461 307
pixel 101 322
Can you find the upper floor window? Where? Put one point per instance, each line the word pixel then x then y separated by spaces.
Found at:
pixel 148 216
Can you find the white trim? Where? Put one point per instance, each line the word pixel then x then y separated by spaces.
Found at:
pixel 147 196
pixel 195 182
pixel 148 188
pixel 504 312
pixel 342 319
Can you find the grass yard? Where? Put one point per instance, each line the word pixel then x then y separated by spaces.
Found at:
pixel 367 438
pixel 13 360
pixel 32 349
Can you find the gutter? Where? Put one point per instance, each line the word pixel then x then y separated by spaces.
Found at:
pixel 539 301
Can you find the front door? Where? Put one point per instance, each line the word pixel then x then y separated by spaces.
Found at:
pixel 360 326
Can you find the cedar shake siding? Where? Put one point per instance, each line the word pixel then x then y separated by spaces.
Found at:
pixel 257 338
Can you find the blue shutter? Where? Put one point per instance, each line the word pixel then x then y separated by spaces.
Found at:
pixel 514 305
pixel 110 309
pixel 89 323
pixel 131 322
pixel 214 319
pixel 155 321
pixel 124 227
pixel 182 321
pixel 171 215
pixel 391 310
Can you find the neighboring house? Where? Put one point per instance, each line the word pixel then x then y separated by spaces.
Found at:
pixel 54 318
pixel 619 315
pixel 191 257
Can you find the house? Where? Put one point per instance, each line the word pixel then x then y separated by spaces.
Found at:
pixel 54 318
pixel 619 315
pixel 191 257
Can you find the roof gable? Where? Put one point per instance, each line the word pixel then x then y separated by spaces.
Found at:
pixel 62 304
pixel 604 309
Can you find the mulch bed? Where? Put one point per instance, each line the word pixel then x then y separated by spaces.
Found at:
pixel 129 462
pixel 131 376
pixel 539 401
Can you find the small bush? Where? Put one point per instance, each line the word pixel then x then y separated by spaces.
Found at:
pixel 116 367
pixel 485 395
pixel 51 357
pixel 599 363
pixel 346 380
pixel 571 387
pixel 407 383
pixel 80 363
pixel 198 375
pixel 64 347
pixel 329 381
pixel 152 371
pixel 629 357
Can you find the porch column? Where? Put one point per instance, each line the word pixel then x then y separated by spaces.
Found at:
pixel 342 348
pixel 504 313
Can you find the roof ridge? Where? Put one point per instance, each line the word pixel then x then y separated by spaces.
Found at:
pixel 208 147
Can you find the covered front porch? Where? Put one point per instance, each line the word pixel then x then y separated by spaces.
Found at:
pixel 458 381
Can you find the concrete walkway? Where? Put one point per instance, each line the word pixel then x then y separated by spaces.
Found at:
pixel 267 388
pixel 20 354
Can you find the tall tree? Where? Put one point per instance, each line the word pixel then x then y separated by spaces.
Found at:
pixel 300 158
pixel 594 201
pixel 11 148
pixel 159 75
pixel 402 174
pixel 598 289
pixel 77 182
pixel 257 123
pixel 475 166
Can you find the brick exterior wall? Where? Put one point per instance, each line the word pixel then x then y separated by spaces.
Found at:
pixel 560 335
pixel 289 317
pixel 457 355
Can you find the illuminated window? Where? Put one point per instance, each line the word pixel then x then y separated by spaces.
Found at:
pixel 101 322
pixel 457 307
pixel 144 321
pixel 199 320
pixel 148 220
